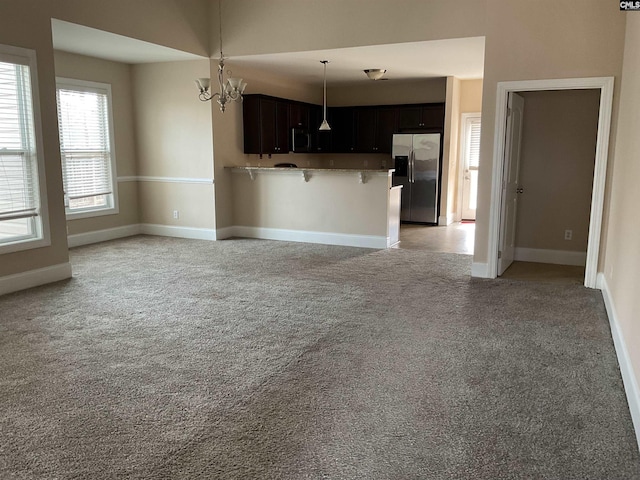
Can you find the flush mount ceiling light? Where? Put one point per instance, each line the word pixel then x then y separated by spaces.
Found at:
pixel 375 73
pixel 231 90
pixel 324 126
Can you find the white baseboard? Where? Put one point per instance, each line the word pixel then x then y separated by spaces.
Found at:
pixel 34 278
pixel 629 377
pixel 180 232
pixel 368 241
pixel 558 257
pixel 144 228
pixel 225 232
pixel 345 239
pixel 97 236
pixel 480 270
pixel 444 220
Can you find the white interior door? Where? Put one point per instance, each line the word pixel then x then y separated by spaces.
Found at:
pixel 510 186
pixel 470 159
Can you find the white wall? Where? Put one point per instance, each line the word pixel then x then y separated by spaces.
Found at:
pixel 174 145
pixel 621 252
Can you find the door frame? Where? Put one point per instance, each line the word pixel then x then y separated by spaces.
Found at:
pixel 461 153
pixel 605 85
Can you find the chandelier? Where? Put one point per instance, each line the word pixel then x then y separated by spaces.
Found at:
pixel 230 90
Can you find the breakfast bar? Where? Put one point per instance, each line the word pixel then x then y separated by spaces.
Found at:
pixel 354 207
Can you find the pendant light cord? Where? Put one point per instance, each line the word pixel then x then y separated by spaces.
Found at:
pixel 220 24
pixel 324 97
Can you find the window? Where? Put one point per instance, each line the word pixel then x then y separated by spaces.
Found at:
pixel 472 150
pixel 86 148
pixel 22 209
pixel 471 128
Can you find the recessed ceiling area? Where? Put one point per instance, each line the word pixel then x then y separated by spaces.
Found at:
pixel 73 38
pixel 460 57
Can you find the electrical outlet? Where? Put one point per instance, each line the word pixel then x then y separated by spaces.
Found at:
pixel 568 234
pixel 176 214
pixel 331 163
pixel 366 163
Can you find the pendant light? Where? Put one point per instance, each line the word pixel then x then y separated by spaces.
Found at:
pixel 324 126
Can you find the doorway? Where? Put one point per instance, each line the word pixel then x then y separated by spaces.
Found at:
pixel 496 217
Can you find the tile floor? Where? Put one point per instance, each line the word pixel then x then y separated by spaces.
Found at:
pixel 459 238
pixel 456 238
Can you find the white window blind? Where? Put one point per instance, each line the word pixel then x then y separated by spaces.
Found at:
pixel 473 143
pixel 19 198
pixel 83 118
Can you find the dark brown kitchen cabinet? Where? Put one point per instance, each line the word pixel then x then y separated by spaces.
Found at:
pixel 342 129
pixel 420 117
pixel 375 127
pixel 365 127
pixel 320 140
pixel 266 124
pixel 386 126
pixel 299 115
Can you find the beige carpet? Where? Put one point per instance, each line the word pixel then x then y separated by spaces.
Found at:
pixel 244 359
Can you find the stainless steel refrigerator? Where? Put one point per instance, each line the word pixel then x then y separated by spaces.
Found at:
pixel 417 164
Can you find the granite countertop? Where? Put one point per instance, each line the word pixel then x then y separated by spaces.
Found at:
pixel 309 169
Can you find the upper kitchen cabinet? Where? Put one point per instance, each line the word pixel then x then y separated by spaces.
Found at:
pixel 421 117
pixel 386 126
pixel 342 124
pixel 269 124
pixel 320 141
pixel 374 128
pixel 299 115
pixel 266 124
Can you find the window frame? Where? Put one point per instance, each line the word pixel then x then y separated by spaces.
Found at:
pixel 464 136
pixel 42 237
pixel 95 87
pixel 467 120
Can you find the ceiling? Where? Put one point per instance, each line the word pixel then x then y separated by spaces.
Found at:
pixel 462 58
pixel 70 37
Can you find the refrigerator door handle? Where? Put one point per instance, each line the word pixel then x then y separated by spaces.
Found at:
pixel 412 163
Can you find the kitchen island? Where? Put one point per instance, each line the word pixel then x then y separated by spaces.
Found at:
pixel 354 207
